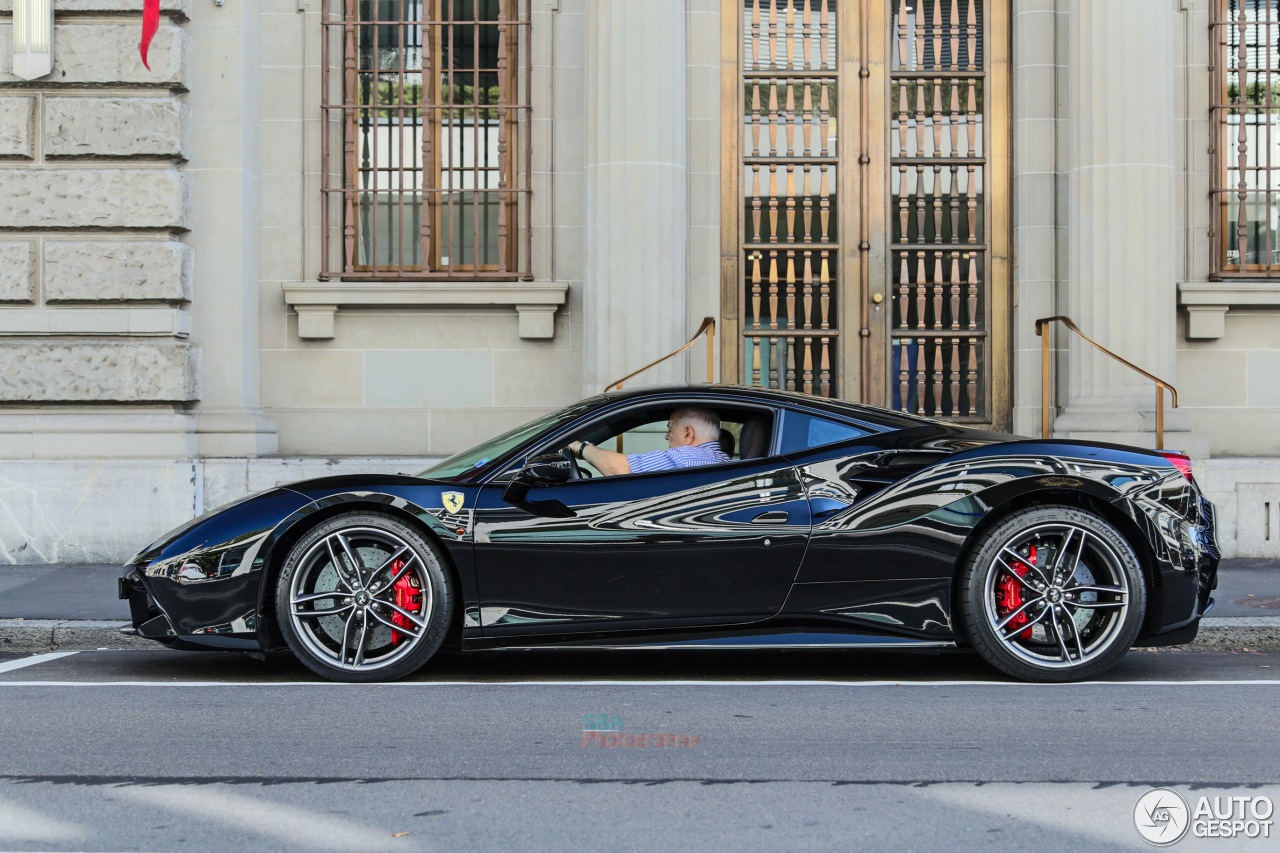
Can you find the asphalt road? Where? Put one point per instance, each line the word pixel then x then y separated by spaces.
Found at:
pixel 151 751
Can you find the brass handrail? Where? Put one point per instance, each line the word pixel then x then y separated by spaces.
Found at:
pixel 708 326
pixel 1044 377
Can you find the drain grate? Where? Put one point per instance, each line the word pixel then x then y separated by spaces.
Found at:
pixel 1266 602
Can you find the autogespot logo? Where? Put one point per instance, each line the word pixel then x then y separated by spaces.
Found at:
pixel 1161 817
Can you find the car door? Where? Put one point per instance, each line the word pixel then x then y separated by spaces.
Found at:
pixel 712 545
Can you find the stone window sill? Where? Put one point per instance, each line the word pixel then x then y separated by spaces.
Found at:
pixel 318 301
pixel 1207 302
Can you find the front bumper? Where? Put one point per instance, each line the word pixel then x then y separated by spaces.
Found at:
pixel 148 620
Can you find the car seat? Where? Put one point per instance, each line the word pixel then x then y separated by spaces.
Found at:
pixel 754 441
pixel 727 442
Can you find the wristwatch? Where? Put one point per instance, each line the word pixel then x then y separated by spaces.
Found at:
pixel 582 448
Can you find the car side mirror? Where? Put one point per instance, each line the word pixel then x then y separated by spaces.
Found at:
pixel 550 469
pixel 547 470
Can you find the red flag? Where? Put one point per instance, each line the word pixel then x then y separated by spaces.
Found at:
pixel 150 23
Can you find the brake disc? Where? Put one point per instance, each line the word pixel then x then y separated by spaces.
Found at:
pixel 379 635
pixel 1084 577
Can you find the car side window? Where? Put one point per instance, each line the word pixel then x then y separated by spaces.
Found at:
pixel 650 436
pixel 801 431
pixel 744 430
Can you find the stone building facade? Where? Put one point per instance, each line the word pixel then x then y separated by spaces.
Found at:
pixel 194 305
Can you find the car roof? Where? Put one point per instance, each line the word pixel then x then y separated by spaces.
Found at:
pixel 777 397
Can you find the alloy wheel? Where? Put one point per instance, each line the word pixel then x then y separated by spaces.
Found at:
pixel 360 599
pixel 1057 596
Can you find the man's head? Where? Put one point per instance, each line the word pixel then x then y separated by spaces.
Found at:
pixel 691 426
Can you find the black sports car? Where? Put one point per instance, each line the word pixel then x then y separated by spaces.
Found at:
pixel 833 525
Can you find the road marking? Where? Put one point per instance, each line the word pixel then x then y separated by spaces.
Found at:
pixel 33 660
pixel 406 684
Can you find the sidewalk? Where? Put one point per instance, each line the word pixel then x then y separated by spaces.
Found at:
pixel 52 607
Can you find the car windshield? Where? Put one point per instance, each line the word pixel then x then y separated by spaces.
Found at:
pixel 471 463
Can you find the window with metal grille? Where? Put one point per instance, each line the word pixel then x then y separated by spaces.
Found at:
pixel 939 147
pixel 1246 138
pixel 790 213
pixel 434 178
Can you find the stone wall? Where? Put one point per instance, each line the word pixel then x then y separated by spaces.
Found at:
pixel 410 379
pixel 70 511
pixel 1246 496
pixel 94 206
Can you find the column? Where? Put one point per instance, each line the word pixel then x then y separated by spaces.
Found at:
pixel 636 197
pixel 1123 248
pixel 224 101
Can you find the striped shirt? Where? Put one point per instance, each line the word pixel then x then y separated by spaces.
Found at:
pixel 707 453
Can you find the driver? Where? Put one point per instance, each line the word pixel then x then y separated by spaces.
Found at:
pixel 692 433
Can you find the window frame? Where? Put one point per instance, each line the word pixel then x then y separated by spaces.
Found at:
pixel 781 430
pixel 554 442
pixel 340 225
pixel 1222 30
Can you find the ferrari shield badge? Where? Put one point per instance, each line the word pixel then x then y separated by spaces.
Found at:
pixel 452 501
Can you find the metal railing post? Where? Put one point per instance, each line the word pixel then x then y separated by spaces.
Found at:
pixel 1042 329
pixel 1159 416
pixel 708 326
pixel 711 353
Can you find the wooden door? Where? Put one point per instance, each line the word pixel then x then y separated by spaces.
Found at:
pixel 865 226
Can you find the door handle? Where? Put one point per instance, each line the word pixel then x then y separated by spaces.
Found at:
pixel 773 517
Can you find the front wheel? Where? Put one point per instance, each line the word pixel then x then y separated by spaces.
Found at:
pixel 1052 594
pixel 363 597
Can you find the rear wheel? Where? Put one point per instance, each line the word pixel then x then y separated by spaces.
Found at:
pixel 363 597
pixel 1052 594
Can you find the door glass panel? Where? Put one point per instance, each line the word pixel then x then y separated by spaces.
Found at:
pixel 801 431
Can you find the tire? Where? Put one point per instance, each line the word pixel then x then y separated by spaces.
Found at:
pixel 382 622
pixel 1038 619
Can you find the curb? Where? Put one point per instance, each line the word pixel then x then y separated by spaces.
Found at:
pixel 1255 633
pixel 51 635
pixel 1236 633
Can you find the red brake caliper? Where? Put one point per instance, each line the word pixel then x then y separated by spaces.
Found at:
pixel 1009 594
pixel 408 596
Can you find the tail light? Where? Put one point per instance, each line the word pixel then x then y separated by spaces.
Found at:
pixel 1181 461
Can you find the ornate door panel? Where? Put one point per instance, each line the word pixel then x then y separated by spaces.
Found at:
pixel 865 225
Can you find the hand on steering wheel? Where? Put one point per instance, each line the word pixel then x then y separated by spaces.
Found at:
pixel 575 473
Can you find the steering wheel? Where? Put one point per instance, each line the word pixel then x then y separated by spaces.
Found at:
pixel 575 473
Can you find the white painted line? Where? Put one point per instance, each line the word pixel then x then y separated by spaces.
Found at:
pixel 33 660
pixel 406 684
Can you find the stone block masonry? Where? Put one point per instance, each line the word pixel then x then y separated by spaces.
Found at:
pixel 17 267
pixel 106 54
pixel 180 9
pixel 96 285
pixel 113 127
pixel 98 371
pixel 116 271
pixel 15 128
pixel 95 198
